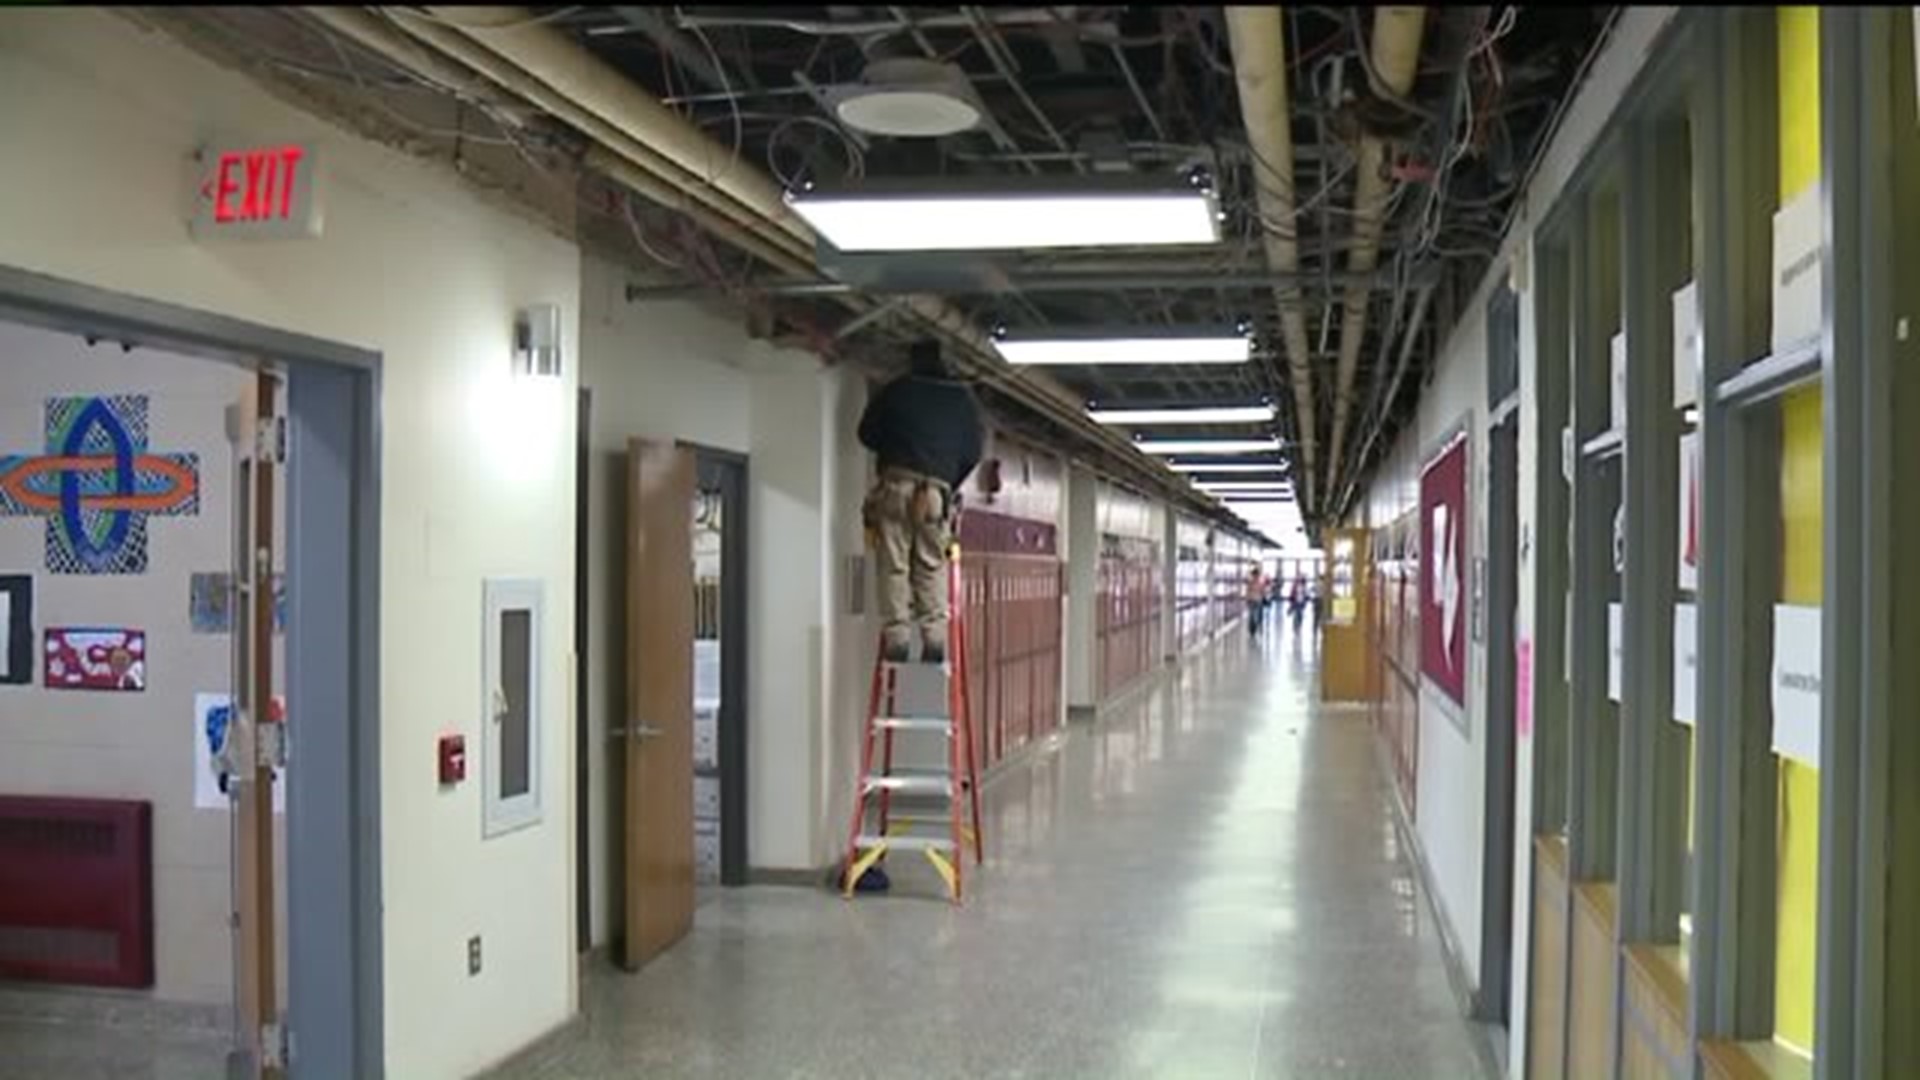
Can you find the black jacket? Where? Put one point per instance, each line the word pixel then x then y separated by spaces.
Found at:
pixel 931 426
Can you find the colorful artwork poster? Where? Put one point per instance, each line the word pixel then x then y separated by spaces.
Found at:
pixel 210 599
pixel 1690 511
pixel 16 630
pixel 86 658
pixel 1443 580
pixel 96 485
pixel 212 723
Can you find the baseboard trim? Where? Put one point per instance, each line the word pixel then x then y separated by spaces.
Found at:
pixel 119 1010
pixel 790 878
pixel 1483 1035
pixel 518 1062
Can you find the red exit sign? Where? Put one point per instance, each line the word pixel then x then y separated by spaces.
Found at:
pixel 265 190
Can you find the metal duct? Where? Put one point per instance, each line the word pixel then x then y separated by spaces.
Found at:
pixel 1395 60
pixel 1260 71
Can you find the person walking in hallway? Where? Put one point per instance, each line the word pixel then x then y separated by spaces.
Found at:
pixel 1256 602
pixel 925 428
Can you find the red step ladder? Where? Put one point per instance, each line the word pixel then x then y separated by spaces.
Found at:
pixel 944 818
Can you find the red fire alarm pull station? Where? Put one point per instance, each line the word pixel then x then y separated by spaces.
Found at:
pixel 453 759
pixel 262 191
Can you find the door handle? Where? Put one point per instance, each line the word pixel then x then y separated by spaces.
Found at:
pixel 639 731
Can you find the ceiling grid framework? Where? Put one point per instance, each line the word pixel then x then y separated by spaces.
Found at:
pixel 1363 161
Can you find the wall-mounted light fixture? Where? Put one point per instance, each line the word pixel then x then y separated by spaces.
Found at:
pixel 536 341
pixel 983 215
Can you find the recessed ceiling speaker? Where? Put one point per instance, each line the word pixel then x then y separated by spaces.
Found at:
pixel 909 98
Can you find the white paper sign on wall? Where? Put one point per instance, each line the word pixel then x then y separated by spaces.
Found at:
pixel 1686 662
pixel 1796 683
pixel 1796 271
pixel 1613 650
pixel 1686 345
pixel 1617 379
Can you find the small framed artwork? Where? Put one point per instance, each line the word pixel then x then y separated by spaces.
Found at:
pixel 87 658
pixel 16 630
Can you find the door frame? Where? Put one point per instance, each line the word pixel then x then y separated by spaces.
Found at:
pixel 335 995
pixel 1492 999
pixel 582 686
pixel 732 469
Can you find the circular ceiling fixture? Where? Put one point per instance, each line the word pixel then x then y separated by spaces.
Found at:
pixel 909 98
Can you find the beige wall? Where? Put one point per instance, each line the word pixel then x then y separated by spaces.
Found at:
pixel 681 371
pixel 140 745
pixel 477 479
pixel 662 371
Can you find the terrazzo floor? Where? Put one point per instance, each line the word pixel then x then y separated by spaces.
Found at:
pixel 1207 883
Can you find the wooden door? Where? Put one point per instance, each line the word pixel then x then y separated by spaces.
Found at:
pixel 254 738
pixel 659 721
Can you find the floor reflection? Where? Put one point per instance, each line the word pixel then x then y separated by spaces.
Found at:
pixel 1205 883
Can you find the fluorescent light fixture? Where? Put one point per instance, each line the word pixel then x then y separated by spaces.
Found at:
pixel 1206 446
pixel 1238 467
pixel 1192 414
pixel 1232 486
pixel 1090 212
pixel 1216 349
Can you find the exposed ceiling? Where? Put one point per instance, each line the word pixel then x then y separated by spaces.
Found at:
pixel 1064 91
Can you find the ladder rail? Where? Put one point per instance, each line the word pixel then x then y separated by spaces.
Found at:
pixel 864 850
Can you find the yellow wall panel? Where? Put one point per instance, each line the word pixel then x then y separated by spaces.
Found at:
pixel 1799 55
pixel 1802 550
pixel 1802 559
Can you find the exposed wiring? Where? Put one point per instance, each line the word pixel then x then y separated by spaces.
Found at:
pixel 373 97
pixel 510 24
pixel 733 100
pixel 639 235
pixel 1374 82
pixel 856 161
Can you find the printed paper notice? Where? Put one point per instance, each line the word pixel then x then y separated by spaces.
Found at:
pixel 1686 662
pixel 1796 683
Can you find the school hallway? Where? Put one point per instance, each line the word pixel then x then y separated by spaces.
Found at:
pixel 1205 882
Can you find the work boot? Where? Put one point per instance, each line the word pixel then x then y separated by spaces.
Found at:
pixel 896 645
pixel 933 647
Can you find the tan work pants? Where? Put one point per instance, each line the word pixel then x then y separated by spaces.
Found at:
pixel 908 528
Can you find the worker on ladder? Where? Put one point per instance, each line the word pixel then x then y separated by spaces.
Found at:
pixel 925 427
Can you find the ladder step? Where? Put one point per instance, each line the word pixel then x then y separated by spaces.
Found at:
pixel 913 782
pixel 917 665
pixel 869 841
pixel 915 723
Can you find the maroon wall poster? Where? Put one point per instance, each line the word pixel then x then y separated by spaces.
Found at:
pixel 1443 570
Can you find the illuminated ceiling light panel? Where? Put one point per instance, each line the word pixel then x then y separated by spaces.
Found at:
pixel 1206 446
pixel 1238 467
pixel 1245 486
pixel 1199 414
pixel 1219 349
pixel 890 218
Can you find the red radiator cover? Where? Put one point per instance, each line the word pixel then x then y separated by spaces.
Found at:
pixel 76 891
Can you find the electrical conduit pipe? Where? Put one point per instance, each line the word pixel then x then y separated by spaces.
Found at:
pixel 1396 59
